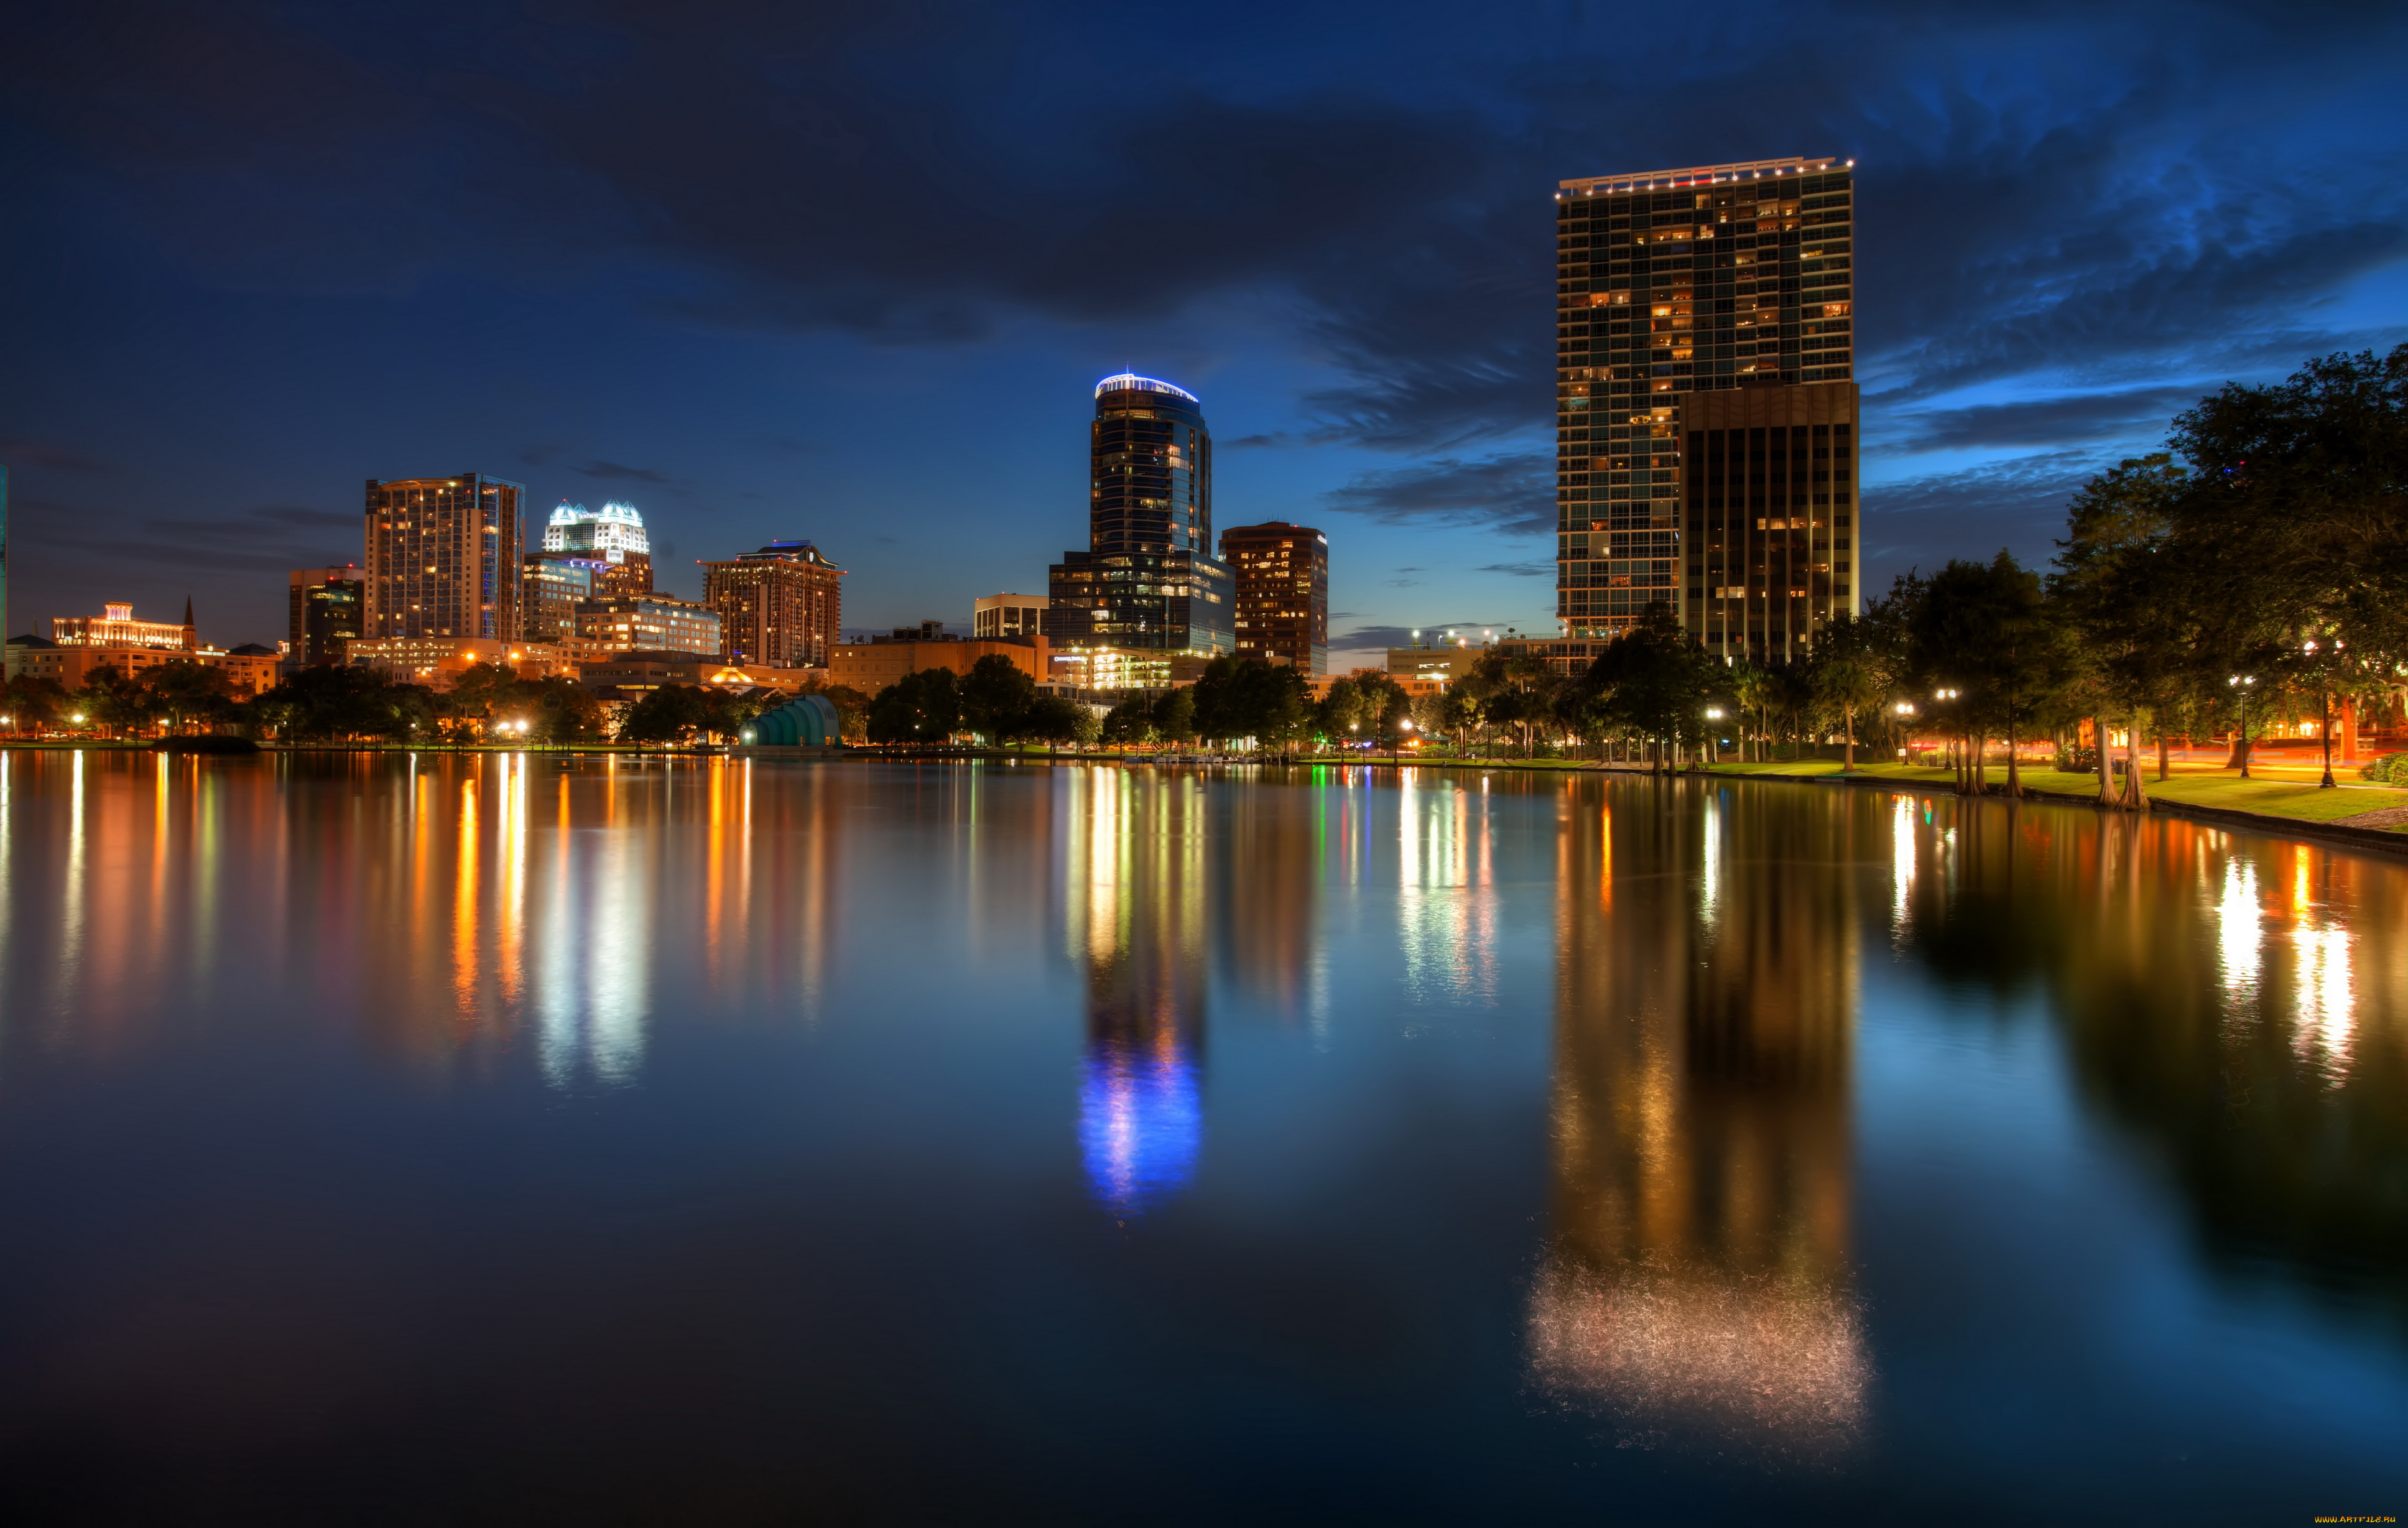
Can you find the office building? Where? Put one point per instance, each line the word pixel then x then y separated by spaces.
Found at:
pixel 443 557
pixel 1706 405
pixel 552 585
pixel 779 605
pixel 327 605
pixel 648 622
pixel 1148 579
pixel 1280 574
pixel 1000 616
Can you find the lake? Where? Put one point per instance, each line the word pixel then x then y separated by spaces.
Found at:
pixel 496 1138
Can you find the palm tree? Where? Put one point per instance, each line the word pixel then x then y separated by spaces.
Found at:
pixel 1847 683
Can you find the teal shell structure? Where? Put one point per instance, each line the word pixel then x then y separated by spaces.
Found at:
pixel 807 720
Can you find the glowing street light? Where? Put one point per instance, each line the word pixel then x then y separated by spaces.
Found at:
pixel 2240 683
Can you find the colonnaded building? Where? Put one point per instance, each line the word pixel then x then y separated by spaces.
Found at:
pixel 1706 405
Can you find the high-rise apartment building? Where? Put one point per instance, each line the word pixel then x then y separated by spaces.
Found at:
pixel 443 557
pixel 327 604
pixel 1148 579
pixel 1280 573
pixel 1706 405
pixel 778 606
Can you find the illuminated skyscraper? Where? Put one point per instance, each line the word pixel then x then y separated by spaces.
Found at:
pixel 1281 576
pixel 1706 405
pixel 779 605
pixel 613 536
pixel 1149 580
pixel 443 557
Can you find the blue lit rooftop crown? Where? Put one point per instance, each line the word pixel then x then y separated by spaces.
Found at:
pixel 1129 381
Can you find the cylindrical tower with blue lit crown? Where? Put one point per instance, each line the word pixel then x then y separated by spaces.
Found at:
pixel 1149 580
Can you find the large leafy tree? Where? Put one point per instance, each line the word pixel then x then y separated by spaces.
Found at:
pixel 923 707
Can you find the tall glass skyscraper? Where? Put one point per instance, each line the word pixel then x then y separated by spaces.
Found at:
pixel 1149 580
pixel 1706 402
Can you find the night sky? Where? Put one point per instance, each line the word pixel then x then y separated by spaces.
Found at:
pixel 850 272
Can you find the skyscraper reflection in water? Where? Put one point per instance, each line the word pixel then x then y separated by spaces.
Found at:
pixel 1698 1281
pixel 1134 917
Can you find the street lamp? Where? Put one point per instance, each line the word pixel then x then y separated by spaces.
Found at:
pixel 1396 743
pixel 1715 744
pixel 2240 683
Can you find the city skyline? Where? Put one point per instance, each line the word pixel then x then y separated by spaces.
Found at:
pixel 1352 269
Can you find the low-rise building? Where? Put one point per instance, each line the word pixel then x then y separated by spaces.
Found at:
pixel 997 616
pixel 1443 665
pixel 630 675
pixel 114 640
pixel 873 665
pixel 437 662
pixel 653 622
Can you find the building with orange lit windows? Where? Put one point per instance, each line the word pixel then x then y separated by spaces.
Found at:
pixel 1706 404
pixel 781 605
pixel 1280 573
pixel 443 557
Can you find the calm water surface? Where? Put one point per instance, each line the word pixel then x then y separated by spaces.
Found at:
pixel 494 1140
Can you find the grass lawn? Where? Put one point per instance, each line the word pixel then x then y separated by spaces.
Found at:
pixel 2296 800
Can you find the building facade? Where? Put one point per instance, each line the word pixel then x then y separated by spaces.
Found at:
pixel 648 623
pixel 781 605
pixel 1706 404
pixel 997 616
pixel 1279 579
pixel 871 666
pixel 325 612
pixel 629 676
pixel 115 639
pixel 1149 578
pixel 552 585
pixel 115 627
pixel 443 557
pixel 437 662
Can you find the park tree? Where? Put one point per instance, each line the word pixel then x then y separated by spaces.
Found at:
pixel 996 698
pixel 921 708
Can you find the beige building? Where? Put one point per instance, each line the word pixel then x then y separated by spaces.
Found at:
pixel 998 616
pixel 437 662
pixel 635 672
pixel 443 557
pixel 872 666
pixel 114 640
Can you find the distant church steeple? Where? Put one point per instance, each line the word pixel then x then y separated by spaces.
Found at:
pixel 192 632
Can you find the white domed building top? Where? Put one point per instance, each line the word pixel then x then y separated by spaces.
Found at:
pixel 613 531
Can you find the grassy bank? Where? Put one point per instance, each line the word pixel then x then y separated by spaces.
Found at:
pixel 2291 800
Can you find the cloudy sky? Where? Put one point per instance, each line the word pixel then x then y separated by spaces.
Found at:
pixel 849 272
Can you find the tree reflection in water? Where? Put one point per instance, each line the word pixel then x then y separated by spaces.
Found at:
pixel 2237 1001
pixel 1698 1282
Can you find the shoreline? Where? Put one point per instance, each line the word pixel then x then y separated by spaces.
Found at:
pixel 2382 840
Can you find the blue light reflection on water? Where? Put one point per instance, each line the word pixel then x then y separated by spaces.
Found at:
pixel 1140 1122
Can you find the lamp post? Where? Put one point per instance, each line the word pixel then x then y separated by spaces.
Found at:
pixel 1396 743
pixel 1714 743
pixel 2240 683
